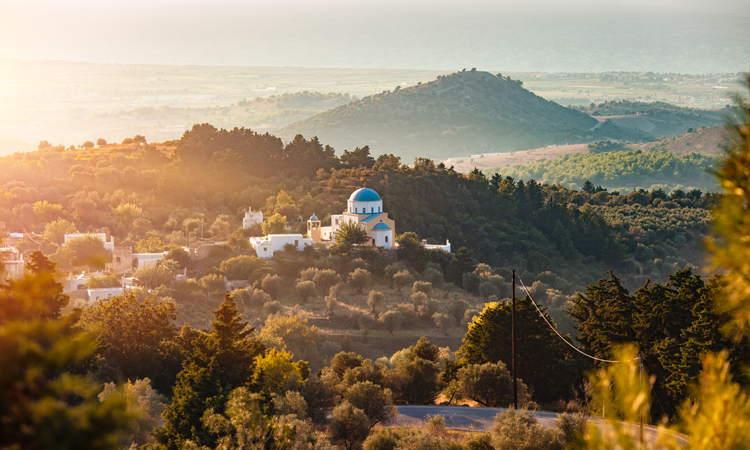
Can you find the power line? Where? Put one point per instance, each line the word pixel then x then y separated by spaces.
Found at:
pixel 558 333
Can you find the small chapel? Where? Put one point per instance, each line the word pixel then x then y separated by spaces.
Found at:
pixel 363 207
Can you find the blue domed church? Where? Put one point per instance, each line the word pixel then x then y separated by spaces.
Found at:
pixel 363 207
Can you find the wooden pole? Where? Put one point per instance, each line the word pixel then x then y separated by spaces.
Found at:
pixel 513 341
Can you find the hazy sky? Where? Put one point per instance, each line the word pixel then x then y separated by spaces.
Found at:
pixel 585 35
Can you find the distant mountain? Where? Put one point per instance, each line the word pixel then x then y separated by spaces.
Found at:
pixel 458 114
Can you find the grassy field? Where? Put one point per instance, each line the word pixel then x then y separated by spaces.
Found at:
pixel 68 103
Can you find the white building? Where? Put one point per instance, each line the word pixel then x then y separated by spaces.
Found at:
pixel 108 245
pixel 365 208
pixel 148 259
pixel 266 246
pixel 101 293
pixel 252 218
pixel 12 263
pixel 446 247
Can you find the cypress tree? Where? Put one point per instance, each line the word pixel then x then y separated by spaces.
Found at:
pixel 221 361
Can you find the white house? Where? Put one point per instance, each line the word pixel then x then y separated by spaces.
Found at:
pixel 252 218
pixel 13 264
pixel 148 259
pixel 101 293
pixel 108 245
pixel 266 246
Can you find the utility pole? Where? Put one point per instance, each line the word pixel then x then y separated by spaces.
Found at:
pixel 513 340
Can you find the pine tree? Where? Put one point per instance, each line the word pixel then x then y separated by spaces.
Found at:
pixel 220 362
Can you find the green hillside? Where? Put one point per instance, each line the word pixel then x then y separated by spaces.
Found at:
pixel 620 170
pixel 456 114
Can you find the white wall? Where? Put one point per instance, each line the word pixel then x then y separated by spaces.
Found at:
pixel 266 246
pixel 380 238
pixel 148 259
pixel 98 294
pixel 368 207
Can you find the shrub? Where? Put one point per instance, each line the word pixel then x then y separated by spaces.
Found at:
pixel 422 286
pixel 489 385
pixel 572 426
pixel 306 290
pixel 457 309
pixel 481 442
pixel 258 299
pixel 374 300
pixel 402 279
pixel 291 403
pixel 273 307
pixel 433 276
pixel 442 321
pixel 272 285
pixel 349 425
pixel 436 426
pixel 366 322
pixel 375 401
pixel 325 279
pixel 391 320
pixel 520 430
pixel 359 279
pixel 419 298
pixel 384 439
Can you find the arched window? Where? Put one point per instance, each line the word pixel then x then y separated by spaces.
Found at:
pixel 386 238
pixel 372 210
pixel 378 208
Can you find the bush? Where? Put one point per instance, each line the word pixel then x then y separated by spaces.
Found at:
pixel 273 307
pixel 520 430
pixel 306 290
pixel 433 276
pixel 436 426
pixel 489 385
pixel 326 279
pixel 374 300
pixel 349 425
pixel 402 279
pixel 375 401
pixel 442 321
pixel 291 403
pixel 481 442
pixel 258 299
pixel 272 285
pixel 422 286
pixel 572 426
pixel 384 439
pixel 359 279
pixel 391 320
pixel 180 256
pixel 308 274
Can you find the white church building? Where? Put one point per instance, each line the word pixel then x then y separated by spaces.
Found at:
pixel 364 207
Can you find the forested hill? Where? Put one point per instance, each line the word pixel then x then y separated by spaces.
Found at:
pixel 457 114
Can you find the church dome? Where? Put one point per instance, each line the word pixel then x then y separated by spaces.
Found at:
pixel 313 218
pixel 381 227
pixel 364 195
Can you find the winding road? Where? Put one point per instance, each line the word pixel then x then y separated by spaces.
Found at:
pixel 481 419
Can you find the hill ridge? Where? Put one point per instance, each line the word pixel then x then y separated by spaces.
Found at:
pixel 472 111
